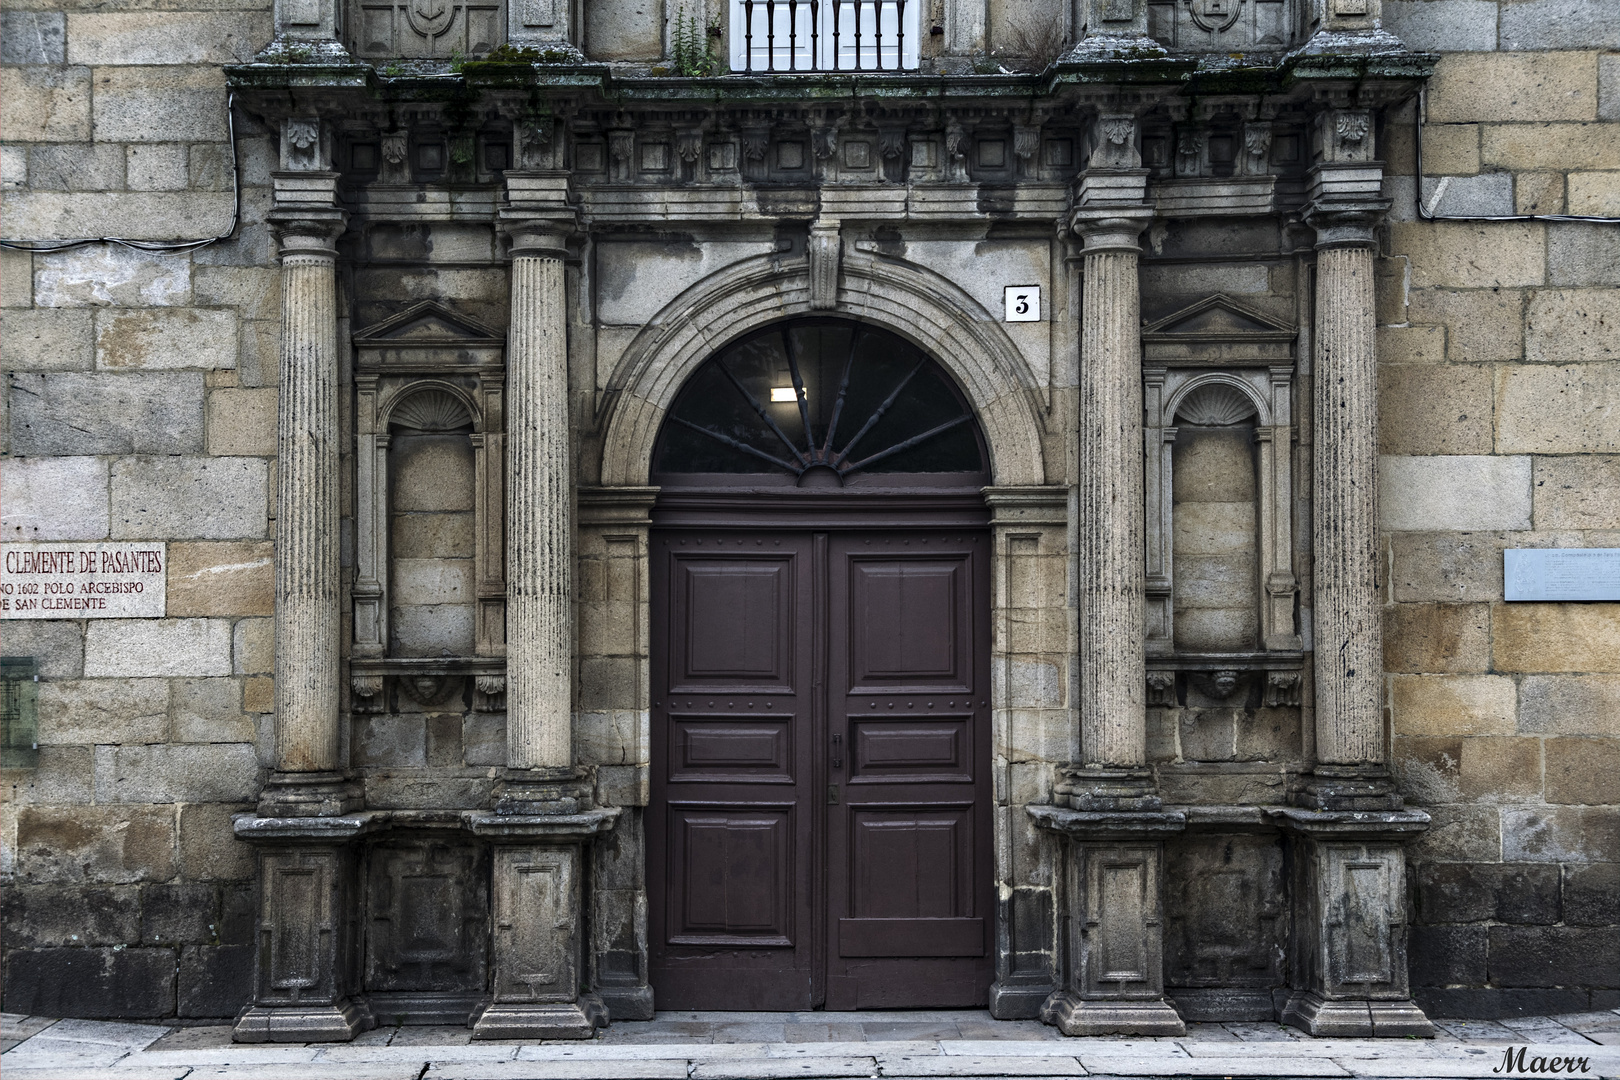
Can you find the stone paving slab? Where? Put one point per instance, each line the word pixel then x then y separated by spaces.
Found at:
pixel 1161 1065
pixel 42 1051
pixel 173 1072
pixel 244 1054
pixel 101 1031
pixel 1067 1048
pixel 191 1038
pixel 608 1052
pixel 305 1072
pixel 958 1065
pixel 18 1026
pixel 853 1049
pixel 763 1068
pixel 417 1053
pixel 558 1070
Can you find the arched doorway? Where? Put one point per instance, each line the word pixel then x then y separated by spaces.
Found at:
pixel 819 830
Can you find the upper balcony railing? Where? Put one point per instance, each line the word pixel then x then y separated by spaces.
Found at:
pixel 824 35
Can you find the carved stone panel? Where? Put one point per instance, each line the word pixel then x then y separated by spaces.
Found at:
pixel 304 926
pixel 1221 25
pixel 537 910
pixel 1226 916
pixel 1351 918
pixel 434 29
pixel 1117 940
pixel 427 905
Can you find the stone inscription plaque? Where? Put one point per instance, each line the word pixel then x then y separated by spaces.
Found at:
pixel 126 580
pixel 1561 573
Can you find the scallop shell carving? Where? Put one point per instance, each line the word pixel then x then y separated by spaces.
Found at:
pixel 432 410
pixel 1215 405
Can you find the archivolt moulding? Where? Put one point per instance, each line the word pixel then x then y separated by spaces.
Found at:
pixel 933 313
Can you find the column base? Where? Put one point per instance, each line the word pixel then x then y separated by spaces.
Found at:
pixel 1073 1015
pixel 1099 790
pixel 1016 1001
pixel 628 1002
pixel 538 792
pixel 319 794
pixel 1347 787
pixel 557 1020
pixel 1356 1018
pixel 338 1022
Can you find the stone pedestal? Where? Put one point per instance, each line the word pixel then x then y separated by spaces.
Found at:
pixel 306 931
pixel 1348 963
pixel 1113 930
pixel 539 908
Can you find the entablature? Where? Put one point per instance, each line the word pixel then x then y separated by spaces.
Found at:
pixel 1216 140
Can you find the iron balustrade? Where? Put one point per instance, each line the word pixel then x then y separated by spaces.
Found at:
pixel 824 35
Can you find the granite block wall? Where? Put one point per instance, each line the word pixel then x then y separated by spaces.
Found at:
pixel 1500 427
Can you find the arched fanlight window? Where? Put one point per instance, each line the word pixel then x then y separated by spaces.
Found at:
pixel 820 401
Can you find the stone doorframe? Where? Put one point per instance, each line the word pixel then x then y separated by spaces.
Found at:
pixel 1031 615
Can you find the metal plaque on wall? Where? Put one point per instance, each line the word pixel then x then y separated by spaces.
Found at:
pixel 1561 573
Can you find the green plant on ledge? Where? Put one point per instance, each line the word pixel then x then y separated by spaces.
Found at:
pixel 689 47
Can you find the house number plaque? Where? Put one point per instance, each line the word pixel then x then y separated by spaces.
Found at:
pixel 1561 573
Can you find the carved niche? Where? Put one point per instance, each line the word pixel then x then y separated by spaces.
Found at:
pixel 430 582
pixel 1221 589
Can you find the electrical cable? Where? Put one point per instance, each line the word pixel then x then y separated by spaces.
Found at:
pixel 157 247
pixel 1425 213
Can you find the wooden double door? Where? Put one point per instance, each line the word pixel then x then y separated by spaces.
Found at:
pixel 819 831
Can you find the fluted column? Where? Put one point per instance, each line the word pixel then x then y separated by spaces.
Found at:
pixel 1112 661
pixel 539 621
pixel 1349 637
pixel 1350 770
pixel 307 584
pixel 308 778
pixel 1109 563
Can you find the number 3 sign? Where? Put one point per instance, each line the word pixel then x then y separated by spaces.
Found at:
pixel 1023 303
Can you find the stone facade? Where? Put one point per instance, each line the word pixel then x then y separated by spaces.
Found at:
pixel 1258 703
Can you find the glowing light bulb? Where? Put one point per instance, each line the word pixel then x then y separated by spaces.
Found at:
pixel 783 393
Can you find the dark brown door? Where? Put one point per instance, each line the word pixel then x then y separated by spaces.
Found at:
pixel 819 826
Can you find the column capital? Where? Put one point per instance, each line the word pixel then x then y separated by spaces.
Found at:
pixel 1110 228
pixel 538 214
pixel 1111 208
pixel 537 238
pixel 305 216
pixel 1346 202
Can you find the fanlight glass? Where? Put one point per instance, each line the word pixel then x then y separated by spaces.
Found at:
pixel 863 401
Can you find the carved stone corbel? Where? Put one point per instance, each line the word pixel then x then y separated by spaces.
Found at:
pixel 825 249
pixel 1114 143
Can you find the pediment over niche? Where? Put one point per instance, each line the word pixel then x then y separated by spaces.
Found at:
pixel 428 324
pixel 1218 318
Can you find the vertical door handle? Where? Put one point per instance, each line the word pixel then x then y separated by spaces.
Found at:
pixel 838 751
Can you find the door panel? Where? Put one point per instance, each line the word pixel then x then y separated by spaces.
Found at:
pixel 910 881
pixel 737 873
pixel 730 841
pixel 819 825
pixel 905 626
pixel 735 615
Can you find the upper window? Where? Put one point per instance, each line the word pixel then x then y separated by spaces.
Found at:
pixel 824 35
pixel 820 402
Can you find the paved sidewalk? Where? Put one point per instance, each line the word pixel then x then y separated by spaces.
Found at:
pixel 768 1046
